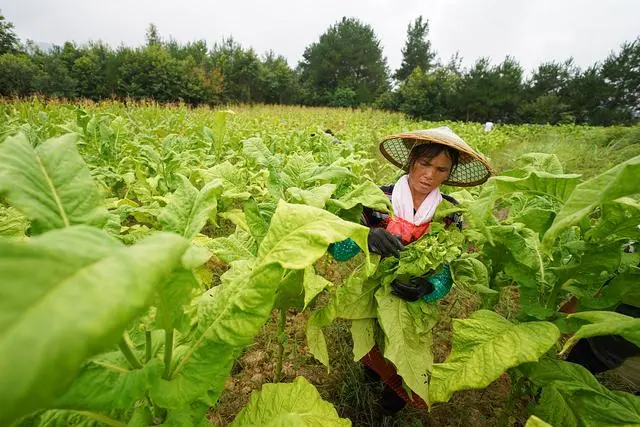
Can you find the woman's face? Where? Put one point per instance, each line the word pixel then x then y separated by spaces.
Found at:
pixel 425 175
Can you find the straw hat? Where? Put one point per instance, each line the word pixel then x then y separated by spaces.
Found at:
pixel 472 168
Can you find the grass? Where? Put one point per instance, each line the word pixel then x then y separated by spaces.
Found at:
pixel 584 153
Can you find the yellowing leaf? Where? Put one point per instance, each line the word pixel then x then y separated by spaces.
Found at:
pixel 484 346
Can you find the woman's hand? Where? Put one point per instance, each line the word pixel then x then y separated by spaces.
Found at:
pixel 412 290
pixel 383 243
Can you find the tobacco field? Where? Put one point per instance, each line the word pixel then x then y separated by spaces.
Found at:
pixel 150 255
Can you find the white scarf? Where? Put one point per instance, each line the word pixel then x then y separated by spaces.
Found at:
pixel 402 203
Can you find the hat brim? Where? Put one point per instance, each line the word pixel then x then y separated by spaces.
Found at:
pixel 472 168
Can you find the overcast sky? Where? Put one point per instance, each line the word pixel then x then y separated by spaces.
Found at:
pixel 531 31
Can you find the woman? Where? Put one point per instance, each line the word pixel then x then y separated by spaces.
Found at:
pixel 431 158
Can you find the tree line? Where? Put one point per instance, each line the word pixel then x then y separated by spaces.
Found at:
pixel 345 67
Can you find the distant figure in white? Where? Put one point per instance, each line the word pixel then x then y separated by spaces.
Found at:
pixel 488 127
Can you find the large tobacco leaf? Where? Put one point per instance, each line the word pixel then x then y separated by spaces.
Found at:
pixel 189 209
pixel 82 288
pixel 107 382
pixel 366 194
pixel 407 338
pixel 572 397
pixel 617 182
pixel 50 184
pixel 291 404
pixel 605 323
pixel 299 234
pixel 484 346
pixel 353 300
pixel 558 187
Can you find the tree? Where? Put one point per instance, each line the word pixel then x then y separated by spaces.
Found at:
pixel 621 71
pixel 277 82
pixel 551 78
pixel 429 96
pixel 347 56
pixel 417 50
pixel 491 92
pixel 9 41
pixel 240 70
pixel 17 74
pixel 546 97
pixel 587 94
pixel 152 35
pixel 54 78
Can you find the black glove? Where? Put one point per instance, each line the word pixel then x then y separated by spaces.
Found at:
pixel 384 243
pixel 413 289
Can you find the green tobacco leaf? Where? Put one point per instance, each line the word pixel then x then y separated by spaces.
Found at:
pixel 225 323
pixel 290 293
pixel 593 267
pixel 326 174
pixel 238 246
pixel 557 186
pixel 535 218
pixel 408 338
pixel 258 226
pixel 619 181
pixel 313 284
pixel 107 382
pixel 429 253
pixel 571 396
pixel 171 299
pixel 188 209
pixel 216 135
pixel 300 234
pixel 50 184
pixel 316 197
pixel 362 333
pixel 366 194
pixel 605 323
pixel 12 223
pixel 624 288
pixel 485 346
pixel 95 286
pixel 235 180
pixel 255 149
pixel 299 164
pixel 517 252
pixel 354 299
pixel 292 404
pixel 316 342
pixel 619 220
pixel 470 273
pixel 540 162
pixel 65 418
pixel 534 421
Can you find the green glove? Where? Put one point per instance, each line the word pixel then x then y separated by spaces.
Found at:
pixel 442 282
pixel 344 250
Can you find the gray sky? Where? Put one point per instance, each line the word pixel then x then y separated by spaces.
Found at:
pixel 531 31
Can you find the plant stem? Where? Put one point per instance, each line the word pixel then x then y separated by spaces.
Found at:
pixel 555 292
pixel 128 354
pixel 148 345
pixel 281 338
pixel 168 353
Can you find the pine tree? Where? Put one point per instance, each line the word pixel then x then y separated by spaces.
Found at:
pixel 417 50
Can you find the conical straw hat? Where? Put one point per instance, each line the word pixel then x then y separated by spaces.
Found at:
pixel 472 168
